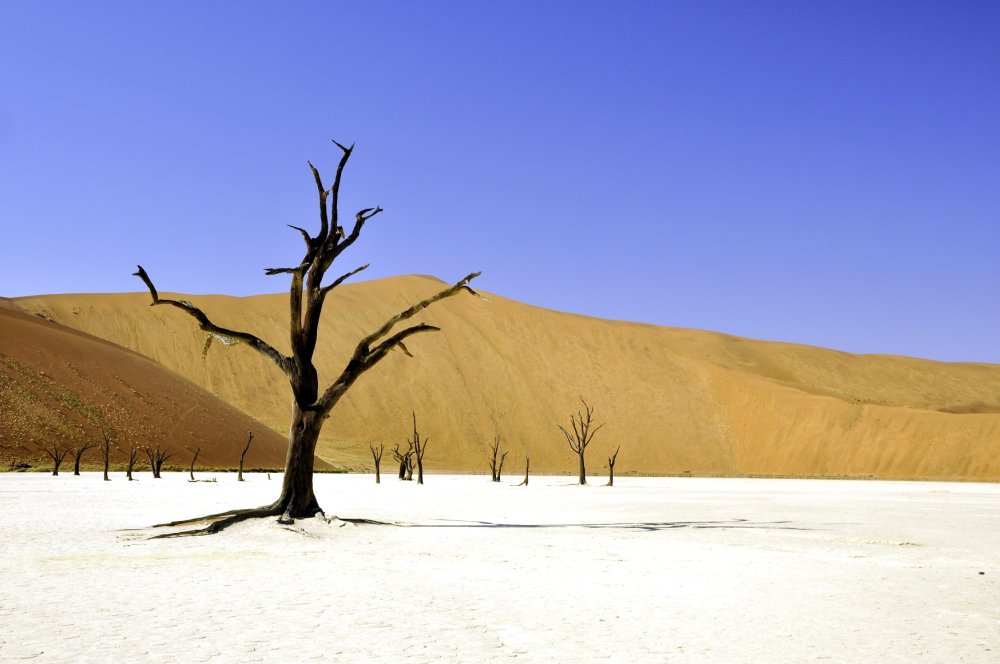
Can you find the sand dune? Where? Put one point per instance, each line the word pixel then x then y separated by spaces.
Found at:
pixel 676 400
pixel 57 385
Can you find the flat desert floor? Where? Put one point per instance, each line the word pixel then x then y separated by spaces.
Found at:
pixel 651 570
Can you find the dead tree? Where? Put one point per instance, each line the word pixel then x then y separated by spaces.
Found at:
pixel 57 454
pixel 377 455
pixel 611 466
pixel 583 434
pixel 405 460
pixel 77 453
pixel 239 477
pixel 157 457
pixel 419 447
pixel 527 464
pixel 133 456
pixel 307 295
pixel 196 451
pixel 105 452
pixel 497 459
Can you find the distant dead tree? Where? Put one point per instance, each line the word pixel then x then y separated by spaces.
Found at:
pixel 239 477
pixel 419 447
pixel 57 454
pixel 377 456
pixel 583 434
pixel 496 459
pixel 133 456
pixel 611 466
pixel 77 453
pixel 527 464
pixel 157 457
pixel 405 460
pixel 311 406
pixel 197 451
pixel 105 451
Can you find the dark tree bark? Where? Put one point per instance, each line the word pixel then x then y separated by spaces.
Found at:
pixel 582 435
pixel 133 456
pixel 57 454
pixel 239 477
pixel 157 457
pixel 196 451
pixel 377 456
pixel 496 459
pixel 306 296
pixel 527 465
pixel 419 447
pixel 77 453
pixel 405 460
pixel 611 466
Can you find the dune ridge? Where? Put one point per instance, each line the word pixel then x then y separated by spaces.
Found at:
pixel 677 400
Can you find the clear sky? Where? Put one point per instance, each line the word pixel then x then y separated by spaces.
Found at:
pixel 819 172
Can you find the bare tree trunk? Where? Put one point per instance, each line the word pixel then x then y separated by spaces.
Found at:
pixel 77 453
pixel 297 500
pixel 196 451
pixel 583 468
pixel 57 454
pixel 377 456
pixel 611 466
pixel 106 457
pixel 419 447
pixel 239 477
pixel 527 465
pixel 497 459
pixel 133 456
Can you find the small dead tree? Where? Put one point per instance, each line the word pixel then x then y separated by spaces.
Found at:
pixel 311 405
pixel 419 447
pixel 105 452
pixel 496 459
pixel 133 456
pixel 527 465
pixel 377 456
pixel 57 454
pixel 196 451
pixel 583 433
pixel 77 453
pixel 157 457
pixel 611 466
pixel 405 460
pixel 239 477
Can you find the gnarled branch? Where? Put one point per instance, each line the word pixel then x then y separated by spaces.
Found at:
pixel 365 357
pixel 253 341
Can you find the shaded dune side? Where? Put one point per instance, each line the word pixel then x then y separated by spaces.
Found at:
pixel 676 400
pixel 57 385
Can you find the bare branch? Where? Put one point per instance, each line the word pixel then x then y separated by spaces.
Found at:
pixel 365 357
pixel 253 341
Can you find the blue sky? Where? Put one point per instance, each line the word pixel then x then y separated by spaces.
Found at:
pixel 819 172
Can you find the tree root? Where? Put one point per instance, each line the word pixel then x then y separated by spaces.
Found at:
pixel 218 522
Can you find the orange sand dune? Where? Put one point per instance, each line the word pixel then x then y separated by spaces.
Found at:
pixel 57 385
pixel 676 400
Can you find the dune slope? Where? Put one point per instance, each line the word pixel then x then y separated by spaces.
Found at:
pixel 676 400
pixel 58 385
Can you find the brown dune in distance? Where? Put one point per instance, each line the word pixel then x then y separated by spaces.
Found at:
pixel 677 401
pixel 57 385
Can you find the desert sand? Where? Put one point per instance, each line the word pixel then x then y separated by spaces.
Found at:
pixel 650 570
pixel 678 401
pixel 58 385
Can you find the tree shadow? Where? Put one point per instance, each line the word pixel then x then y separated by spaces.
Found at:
pixel 647 526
